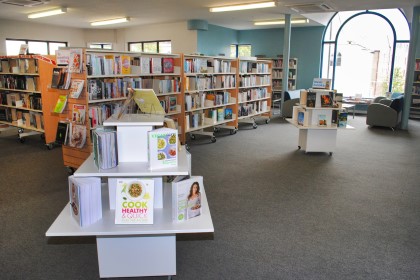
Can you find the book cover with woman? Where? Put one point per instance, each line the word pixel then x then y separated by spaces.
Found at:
pixel 186 197
pixel 194 201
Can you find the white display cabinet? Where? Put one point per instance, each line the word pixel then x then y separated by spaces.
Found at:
pixel 135 250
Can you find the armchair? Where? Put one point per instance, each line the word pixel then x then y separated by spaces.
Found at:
pixel 387 112
pixel 290 100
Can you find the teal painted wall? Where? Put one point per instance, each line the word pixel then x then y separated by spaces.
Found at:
pixel 305 45
pixel 216 40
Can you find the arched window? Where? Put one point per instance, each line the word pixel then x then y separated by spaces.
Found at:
pixel 365 52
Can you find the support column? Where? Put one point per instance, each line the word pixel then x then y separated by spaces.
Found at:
pixel 410 67
pixel 286 57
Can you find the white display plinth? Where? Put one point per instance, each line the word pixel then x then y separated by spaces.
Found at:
pixel 132 132
pixel 136 256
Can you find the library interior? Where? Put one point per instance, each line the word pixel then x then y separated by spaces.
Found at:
pixel 209 139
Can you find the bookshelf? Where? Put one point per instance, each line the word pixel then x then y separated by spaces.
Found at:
pixel 24 102
pixel 108 75
pixel 254 90
pixel 210 95
pixel 415 97
pixel 278 77
pixel 118 246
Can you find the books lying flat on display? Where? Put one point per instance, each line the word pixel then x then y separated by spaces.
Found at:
pixel 186 197
pixel 85 199
pixel 134 201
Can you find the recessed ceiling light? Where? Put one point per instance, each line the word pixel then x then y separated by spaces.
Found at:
pixel 243 7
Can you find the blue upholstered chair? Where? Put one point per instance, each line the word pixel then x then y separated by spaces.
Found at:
pixel 385 112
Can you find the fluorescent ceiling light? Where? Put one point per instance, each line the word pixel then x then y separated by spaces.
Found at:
pixel 110 21
pixel 48 13
pixel 280 21
pixel 243 7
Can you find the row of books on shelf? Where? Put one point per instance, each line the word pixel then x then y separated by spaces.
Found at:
pixel 202 100
pixel 18 82
pixel 253 67
pixel 21 100
pixel 209 117
pixel 320 98
pixel 212 82
pixel 117 87
pixel 252 108
pixel 322 119
pixel 252 94
pixel 133 199
pixel 278 84
pixel 278 63
pixel 22 118
pixel 169 104
pixel 99 113
pixel 278 74
pixel 111 64
pixel 254 80
pixel 19 65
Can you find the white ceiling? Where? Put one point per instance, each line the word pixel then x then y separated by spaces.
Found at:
pixel 81 12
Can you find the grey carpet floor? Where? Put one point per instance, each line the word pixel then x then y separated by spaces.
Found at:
pixel 278 212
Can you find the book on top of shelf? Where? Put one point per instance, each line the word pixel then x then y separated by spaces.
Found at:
pixel 322 120
pixel 310 99
pixel 168 64
pixel 134 201
pixel 23 49
pixel 320 83
pixel 62 133
pixel 76 61
pixel 163 148
pixel 156 65
pixel 78 115
pixel 85 199
pixel 56 77
pixel 326 100
pixel 228 113
pixel 145 65
pixel 77 136
pixel 342 119
pixel 125 65
pixel 76 88
pixel 300 117
pixel 186 198
pixel 61 104
pixel 105 152
pixel 172 103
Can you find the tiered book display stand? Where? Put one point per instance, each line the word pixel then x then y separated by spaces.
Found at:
pixel 314 137
pixel 135 250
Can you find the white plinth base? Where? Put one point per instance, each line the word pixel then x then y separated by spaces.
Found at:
pixel 318 140
pixel 131 256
